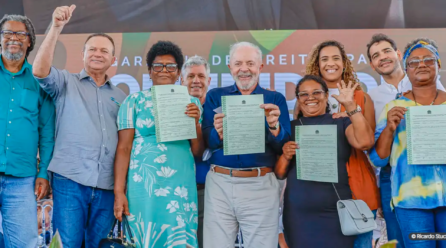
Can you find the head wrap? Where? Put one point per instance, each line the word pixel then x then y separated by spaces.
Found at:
pixel 421 44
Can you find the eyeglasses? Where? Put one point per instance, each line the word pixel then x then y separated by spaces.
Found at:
pixel 317 94
pixel 169 67
pixel 20 35
pixel 426 61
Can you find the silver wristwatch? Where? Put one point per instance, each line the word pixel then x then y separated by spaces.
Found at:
pixel 357 110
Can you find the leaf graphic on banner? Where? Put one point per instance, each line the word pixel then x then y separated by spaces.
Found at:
pixel 56 242
pixel 268 41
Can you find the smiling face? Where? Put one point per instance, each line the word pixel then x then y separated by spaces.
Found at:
pixel 313 101
pixel 98 54
pixel 331 64
pixel 245 67
pixel 164 77
pixel 385 60
pixel 14 48
pixel 423 74
pixel 196 80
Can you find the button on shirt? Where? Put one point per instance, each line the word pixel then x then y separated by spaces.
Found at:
pixel 86 130
pixel 26 124
pixel 386 93
pixel 273 145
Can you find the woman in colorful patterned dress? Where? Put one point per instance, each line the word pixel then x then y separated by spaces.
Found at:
pixel 161 199
pixel 418 190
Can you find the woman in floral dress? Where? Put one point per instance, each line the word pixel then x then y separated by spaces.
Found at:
pixel 161 199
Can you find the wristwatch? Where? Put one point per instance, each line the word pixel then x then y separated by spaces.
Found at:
pixel 275 127
pixel 357 110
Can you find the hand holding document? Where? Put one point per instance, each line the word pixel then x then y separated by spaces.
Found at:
pixel 316 158
pixel 426 136
pixel 171 121
pixel 243 124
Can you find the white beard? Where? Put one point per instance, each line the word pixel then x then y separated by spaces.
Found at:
pixel 247 86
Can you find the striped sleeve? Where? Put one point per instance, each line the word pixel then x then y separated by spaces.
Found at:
pixel 380 126
pixel 127 112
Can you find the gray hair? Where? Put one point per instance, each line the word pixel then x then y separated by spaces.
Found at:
pixel 237 45
pixel 195 61
pixel 29 28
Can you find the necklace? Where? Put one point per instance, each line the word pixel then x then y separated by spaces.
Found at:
pixel 415 99
pixel 319 122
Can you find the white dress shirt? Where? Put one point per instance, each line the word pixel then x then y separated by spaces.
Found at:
pixel 386 92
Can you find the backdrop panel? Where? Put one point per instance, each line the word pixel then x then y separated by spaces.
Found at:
pixel 285 53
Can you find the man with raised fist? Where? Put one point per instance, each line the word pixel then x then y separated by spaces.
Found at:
pixel 87 105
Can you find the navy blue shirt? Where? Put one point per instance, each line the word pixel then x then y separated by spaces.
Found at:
pixel 273 145
pixel 201 169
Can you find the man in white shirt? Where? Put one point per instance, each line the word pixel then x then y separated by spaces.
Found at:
pixel 385 60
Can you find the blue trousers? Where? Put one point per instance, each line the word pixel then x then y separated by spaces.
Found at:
pixel 421 221
pixel 81 212
pixel 19 211
pixel 393 228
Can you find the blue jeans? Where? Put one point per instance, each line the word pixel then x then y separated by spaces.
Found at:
pixel 393 228
pixel 81 212
pixel 19 211
pixel 421 220
pixel 365 240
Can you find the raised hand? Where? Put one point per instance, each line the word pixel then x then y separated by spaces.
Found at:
pixel 394 117
pixel 218 124
pixel 62 15
pixel 193 111
pixel 289 150
pixel 272 113
pixel 346 93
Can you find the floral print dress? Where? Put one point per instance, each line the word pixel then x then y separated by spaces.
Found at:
pixel 161 187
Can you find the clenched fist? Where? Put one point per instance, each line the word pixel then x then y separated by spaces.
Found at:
pixel 62 15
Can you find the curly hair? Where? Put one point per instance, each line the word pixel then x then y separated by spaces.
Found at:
pixel 165 48
pixel 312 68
pixel 29 28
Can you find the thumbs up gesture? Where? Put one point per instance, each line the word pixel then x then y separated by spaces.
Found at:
pixel 62 15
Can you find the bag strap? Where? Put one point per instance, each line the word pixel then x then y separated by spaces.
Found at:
pixel 126 229
pixel 110 234
pixel 336 191
pixel 338 194
pixel 123 228
pixel 119 229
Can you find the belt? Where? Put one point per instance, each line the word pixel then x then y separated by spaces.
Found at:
pixel 257 172
pixel 200 186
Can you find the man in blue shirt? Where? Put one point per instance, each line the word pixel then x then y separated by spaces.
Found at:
pixel 195 75
pixel 242 190
pixel 26 124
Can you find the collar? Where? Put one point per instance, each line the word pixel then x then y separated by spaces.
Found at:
pixel 257 90
pixel 401 85
pixel 25 66
pixel 83 74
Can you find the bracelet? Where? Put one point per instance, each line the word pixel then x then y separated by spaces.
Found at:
pixel 275 127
